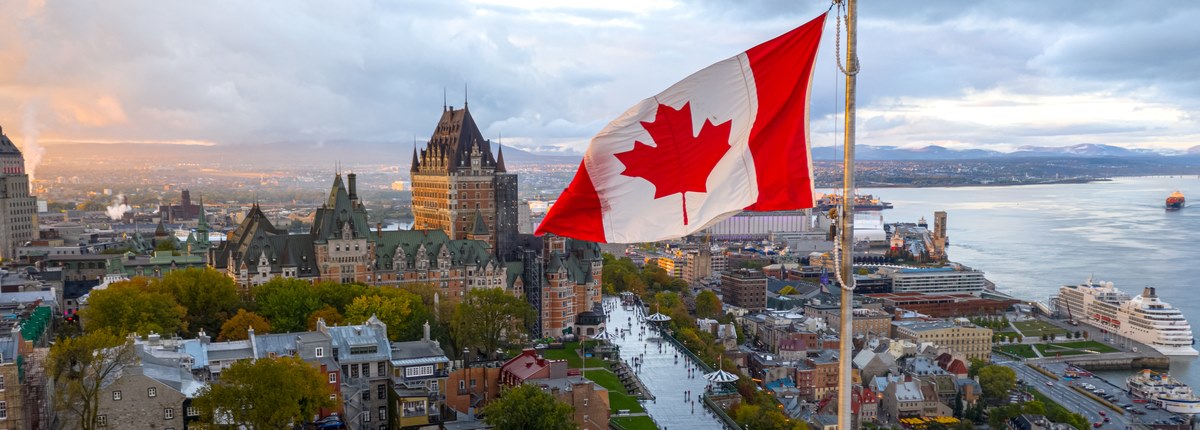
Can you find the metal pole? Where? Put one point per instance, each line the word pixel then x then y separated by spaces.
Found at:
pixel 846 231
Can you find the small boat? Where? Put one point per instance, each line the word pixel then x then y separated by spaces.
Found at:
pixel 1175 201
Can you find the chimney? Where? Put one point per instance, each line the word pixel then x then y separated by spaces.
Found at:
pixel 353 189
pixel 154 338
pixel 378 229
pixel 204 339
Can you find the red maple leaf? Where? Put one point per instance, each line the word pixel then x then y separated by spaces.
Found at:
pixel 678 162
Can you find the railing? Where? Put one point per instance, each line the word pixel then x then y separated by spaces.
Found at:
pixel 725 418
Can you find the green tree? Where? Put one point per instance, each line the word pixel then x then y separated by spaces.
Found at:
pixel 237 328
pixel 975 365
pixel 287 303
pixel 528 407
pixel 392 311
pixel 136 305
pixel 165 245
pixel 708 305
pixel 485 315
pixel 209 297
pixel 996 381
pixel 80 365
pixel 267 393
pixel 338 295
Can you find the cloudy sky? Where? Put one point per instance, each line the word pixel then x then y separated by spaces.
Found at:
pixel 548 74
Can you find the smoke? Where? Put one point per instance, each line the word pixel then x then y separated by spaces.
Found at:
pixel 30 148
pixel 118 207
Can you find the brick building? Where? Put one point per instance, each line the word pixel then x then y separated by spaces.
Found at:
pixel 744 288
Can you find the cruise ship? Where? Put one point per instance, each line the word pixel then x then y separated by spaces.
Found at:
pixel 1164 391
pixel 1145 318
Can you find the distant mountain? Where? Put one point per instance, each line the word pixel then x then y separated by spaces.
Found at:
pixel 1082 150
pixel 875 153
pixel 936 153
pixel 512 154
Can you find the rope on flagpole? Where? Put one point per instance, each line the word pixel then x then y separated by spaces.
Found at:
pixel 837 40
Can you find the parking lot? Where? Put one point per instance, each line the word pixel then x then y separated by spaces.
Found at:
pixel 1118 395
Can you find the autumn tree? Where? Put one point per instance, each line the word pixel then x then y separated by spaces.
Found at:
pixel 485 315
pixel 286 303
pixel 708 305
pixel 526 406
pixel 209 297
pixel 79 366
pixel 267 393
pixel 330 315
pixel 137 305
pixel 237 328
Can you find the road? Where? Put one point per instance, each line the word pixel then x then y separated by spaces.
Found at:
pixel 1064 395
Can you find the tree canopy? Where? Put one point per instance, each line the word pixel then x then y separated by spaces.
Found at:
pixel 485 315
pixel 287 303
pixel 237 328
pixel 80 365
pixel 208 296
pixel 528 407
pixel 267 393
pixel 139 305
pixel 708 305
pixel 996 381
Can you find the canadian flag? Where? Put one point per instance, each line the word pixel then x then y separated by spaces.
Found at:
pixel 731 137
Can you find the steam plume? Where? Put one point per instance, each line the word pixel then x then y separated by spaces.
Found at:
pixel 118 207
pixel 30 148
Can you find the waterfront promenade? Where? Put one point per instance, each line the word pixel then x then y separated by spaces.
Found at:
pixel 665 371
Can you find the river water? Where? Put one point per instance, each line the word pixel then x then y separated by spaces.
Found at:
pixel 1031 240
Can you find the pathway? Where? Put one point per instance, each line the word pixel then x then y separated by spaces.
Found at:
pixel 665 371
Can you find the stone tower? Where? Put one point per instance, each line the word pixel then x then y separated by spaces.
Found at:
pixel 939 234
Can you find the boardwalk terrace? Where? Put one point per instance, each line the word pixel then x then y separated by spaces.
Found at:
pixel 944 305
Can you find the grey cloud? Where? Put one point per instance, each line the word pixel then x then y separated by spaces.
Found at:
pixel 547 79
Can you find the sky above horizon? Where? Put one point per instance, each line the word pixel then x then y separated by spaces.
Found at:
pixel 546 75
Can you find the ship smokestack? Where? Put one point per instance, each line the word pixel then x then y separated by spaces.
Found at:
pixel 1149 293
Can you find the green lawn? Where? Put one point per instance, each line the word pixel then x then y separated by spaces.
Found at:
pixel 1035 328
pixel 607 380
pixel 1020 350
pixel 1088 345
pixel 635 423
pixel 617 401
pixel 1051 351
pixel 569 353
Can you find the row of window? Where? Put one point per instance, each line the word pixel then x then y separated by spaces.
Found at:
pixel 168 414
pixel 116 395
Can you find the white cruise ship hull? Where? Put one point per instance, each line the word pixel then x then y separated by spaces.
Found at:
pixel 1144 319
pixel 1190 407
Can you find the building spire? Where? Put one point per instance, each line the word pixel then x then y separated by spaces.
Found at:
pixel 444 102
pixel 500 158
pixel 416 164
pixel 465 96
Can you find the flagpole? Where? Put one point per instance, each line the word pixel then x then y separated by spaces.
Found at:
pixel 846 228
